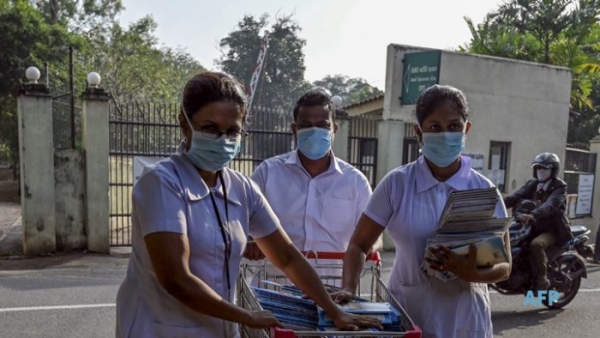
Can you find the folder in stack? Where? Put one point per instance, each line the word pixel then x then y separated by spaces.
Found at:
pixel 383 311
pixel 468 218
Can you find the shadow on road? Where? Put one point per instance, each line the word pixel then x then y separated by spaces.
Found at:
pixel 511 320
pixel 17 263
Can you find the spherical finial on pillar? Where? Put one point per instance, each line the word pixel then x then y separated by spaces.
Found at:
pixel 94 79
pixel 337 101
pixel 33 74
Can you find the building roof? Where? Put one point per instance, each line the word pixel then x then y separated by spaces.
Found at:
pixel 367 100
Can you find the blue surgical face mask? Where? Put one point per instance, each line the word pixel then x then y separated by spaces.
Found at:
pixel 314 142
pixel 443 148
pixel 209 152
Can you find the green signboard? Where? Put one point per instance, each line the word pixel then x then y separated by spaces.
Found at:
pixel 421 70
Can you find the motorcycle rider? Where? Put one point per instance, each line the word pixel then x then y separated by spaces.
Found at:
pixel 550 224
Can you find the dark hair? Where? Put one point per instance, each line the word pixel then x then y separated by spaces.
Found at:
pixel 315 97
pixel 436 95
pixel 208 87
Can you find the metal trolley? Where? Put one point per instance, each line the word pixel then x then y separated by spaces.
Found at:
pixel 371 274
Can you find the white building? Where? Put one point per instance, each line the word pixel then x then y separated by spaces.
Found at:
pixel 518 109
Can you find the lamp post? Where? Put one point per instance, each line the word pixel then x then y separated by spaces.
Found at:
pixel 93 80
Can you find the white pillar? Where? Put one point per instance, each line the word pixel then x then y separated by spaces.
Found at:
pixel 390 134
pixel 593 225
pixel 36 159
pixel 95 134
pixel 340 144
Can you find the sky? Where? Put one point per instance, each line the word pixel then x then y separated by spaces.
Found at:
pixel 347 37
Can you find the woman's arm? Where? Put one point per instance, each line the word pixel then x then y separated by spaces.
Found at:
pixel 366 234
pixel 280 250
pixel 170 253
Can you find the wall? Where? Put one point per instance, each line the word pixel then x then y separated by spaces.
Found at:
pixel 69 173
pixel 524 103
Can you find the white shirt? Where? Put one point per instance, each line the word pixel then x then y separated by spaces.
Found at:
pixel 318 213
pixel 409 202
pixel 171 196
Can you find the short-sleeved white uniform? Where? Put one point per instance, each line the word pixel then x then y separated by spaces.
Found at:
pixel 318 213
pixel 171 196
pixel 409 202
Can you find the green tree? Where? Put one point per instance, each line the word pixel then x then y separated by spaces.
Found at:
pixel 282 80
pixel 489 38
pixel 131 62
pixel 27 39
pixel 558 32
pixel 78 16
pixel 352 90
pixel 133 67
pixel 543 19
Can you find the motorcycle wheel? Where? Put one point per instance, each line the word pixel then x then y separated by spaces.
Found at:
pixel 567 292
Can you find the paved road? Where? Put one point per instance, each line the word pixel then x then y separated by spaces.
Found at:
pixel 73 296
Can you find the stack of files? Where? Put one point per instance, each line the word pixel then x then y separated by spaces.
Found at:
pixel 474 204
pixel 383 311
pixel 293 311
pixel 468 218
pixel 294 290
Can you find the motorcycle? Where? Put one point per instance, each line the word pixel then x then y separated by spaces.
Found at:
pixel 565 268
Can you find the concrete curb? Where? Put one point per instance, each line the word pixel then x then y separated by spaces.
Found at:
pixel 11 240
pixel 4 234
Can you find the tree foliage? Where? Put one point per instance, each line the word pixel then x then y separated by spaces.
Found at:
pixel 352 90
pixel 282 80
pixel 132 65
pixel 558 32
pixel 27 39
pixel 130 60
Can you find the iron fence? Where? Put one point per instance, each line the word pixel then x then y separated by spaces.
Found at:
pixel 66 118
pixel 577 162
pixel 152 130
pixel 362 145
pixel 136 129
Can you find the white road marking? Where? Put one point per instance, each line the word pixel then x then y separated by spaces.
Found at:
pixel 57 307
pixel 580 290
pixel 91 306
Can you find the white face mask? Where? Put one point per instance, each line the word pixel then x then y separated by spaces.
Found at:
pixel 543 174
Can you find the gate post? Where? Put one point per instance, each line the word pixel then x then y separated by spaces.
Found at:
pixel 389 150
pixel 390 134
pixel 595 148
pixel 36 165
pixel 95 134
pixel 341 142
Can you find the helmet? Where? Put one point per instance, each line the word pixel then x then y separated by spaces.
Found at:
pixel 546 161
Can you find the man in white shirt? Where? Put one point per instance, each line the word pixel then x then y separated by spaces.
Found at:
pixel 317 197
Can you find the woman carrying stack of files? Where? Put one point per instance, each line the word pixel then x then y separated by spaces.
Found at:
pixel 409 202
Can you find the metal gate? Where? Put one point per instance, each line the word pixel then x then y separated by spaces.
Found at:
pixel 362 145
pixel 580 168
pixel 136 129
pixel 152 130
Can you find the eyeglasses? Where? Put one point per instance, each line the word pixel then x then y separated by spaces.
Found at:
pixel 215 133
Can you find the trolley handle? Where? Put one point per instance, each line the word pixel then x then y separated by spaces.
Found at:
pixel 372 257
